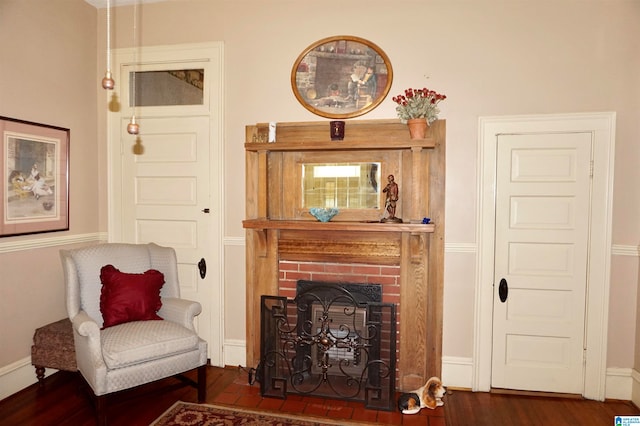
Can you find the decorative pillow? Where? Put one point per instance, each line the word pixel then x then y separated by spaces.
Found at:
pixel 129 297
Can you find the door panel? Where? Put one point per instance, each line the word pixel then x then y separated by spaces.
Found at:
pixel 166 183
pixel 542 200
pixel 166 188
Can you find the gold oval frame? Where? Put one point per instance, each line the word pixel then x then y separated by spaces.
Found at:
pixel 341 77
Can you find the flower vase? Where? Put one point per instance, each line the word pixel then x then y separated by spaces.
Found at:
pixel 417 127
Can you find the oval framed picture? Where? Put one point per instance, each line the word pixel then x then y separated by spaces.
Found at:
pixel 341 77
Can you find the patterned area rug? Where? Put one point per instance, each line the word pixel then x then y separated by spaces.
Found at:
pixel 189 414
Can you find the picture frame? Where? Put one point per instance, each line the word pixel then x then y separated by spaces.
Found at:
pixel 35 173
pixel 341 77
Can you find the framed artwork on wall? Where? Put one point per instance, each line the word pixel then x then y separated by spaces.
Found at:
pixel 35 172
pixel 341 77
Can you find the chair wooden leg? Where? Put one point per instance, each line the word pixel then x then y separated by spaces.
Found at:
pixel 101 410
pixel 202 383
pixel 40 374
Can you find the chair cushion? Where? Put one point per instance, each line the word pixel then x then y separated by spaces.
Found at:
pixel 142 341
pixel 129 297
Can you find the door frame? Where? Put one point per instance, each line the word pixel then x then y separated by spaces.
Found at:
pixel 602 128
pixel 212 52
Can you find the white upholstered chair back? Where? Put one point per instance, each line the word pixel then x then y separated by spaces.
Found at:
pixel 82 272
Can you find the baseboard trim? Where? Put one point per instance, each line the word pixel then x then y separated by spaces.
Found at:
pixel 457 372
pixel 17 376
pixel 620 383
pixel 635 387
pixel 235 352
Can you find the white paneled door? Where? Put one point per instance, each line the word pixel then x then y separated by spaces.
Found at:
pixel 168 196
pixel 543 187
pixel 166 181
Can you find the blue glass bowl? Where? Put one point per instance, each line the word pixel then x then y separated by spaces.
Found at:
pixel 323 214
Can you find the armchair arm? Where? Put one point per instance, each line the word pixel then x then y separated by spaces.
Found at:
pixel 89 351
pixel 180 311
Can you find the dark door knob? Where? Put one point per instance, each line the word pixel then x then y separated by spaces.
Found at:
pixel 202 266
pixel 503 290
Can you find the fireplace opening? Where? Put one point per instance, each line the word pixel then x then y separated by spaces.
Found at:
pixel 334 340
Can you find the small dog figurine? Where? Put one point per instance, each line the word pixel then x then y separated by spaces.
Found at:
pixel 429 396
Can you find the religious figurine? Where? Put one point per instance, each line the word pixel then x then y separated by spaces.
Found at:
pixel 392 198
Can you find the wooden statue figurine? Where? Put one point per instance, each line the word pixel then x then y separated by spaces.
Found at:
pixel 392 198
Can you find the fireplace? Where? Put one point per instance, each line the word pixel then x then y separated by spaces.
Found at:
pixel 336 340
pixel 280 229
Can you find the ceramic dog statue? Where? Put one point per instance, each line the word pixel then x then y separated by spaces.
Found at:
pixel 428 396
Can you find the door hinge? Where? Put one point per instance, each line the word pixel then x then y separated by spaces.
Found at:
pixel 591 168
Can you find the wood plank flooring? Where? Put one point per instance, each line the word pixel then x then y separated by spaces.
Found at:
pixel 491 409
pixel 64 401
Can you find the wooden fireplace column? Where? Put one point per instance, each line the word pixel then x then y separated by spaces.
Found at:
pixel 279 229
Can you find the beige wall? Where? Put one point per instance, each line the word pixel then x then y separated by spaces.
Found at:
pixel 47 75
pixel 489 57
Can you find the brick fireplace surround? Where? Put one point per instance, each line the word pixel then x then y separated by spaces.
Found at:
pixel 285 243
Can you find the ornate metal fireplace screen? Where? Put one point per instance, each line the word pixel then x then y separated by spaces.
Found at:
pixel 333 340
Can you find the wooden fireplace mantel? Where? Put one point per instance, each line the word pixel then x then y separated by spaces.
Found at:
pixel 279 229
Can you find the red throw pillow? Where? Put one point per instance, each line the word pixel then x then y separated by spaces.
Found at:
pixel 129 297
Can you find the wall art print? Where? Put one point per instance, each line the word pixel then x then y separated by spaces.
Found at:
pixel 35 172
pixel 341 77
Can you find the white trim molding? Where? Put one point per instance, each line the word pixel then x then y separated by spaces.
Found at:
pixel 17 376
pixel 457 372
pixel 42 242
pixel 622 250
pixel 619 383
pixel 235 352
pixel 635 387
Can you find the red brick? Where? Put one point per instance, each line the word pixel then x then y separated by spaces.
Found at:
pixel 288 266
pixel 271 404
pixel 390 298
pixel 315 409
pixel 291 405
pixel 311 267
pixel 249 401
pixel 339 410
pixel 381 279
pixel 289 293
pixel 338 268
pixel 361 414
pixel 390 270
pixel 390 417
pixel 294 275
pixel 366 270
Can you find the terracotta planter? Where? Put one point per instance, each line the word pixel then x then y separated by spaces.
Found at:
pixel 417 127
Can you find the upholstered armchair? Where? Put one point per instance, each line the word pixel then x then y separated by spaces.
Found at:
pixel 121 339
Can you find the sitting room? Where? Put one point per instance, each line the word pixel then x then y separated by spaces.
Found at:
pixel 504 242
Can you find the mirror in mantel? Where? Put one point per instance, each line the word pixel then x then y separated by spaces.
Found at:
pixel 341 185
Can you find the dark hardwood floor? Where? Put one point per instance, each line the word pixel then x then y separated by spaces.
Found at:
pixel 491 409
pixel 64 401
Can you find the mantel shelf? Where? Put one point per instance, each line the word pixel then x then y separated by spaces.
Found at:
pixel 320 145
pixel 308 225
pixel 359 135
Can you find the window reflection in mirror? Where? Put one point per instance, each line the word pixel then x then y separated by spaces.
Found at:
pixel 167 88
pixel 341 185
